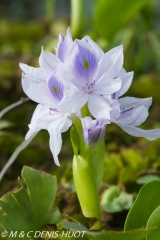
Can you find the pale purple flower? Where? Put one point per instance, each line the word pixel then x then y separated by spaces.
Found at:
pixel 77 74
pixel 44 85
pixel 64 45
pixel 52 120
pixel 130 112
pixel 93 74
pixel 93 130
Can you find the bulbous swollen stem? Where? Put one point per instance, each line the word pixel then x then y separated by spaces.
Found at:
pixel 87 172
pixel 86 187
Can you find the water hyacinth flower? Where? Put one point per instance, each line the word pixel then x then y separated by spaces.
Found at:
pixel 93 130
pixel 92 73
pixel 59 95
pixel 55 122
pixel 130 112
pixel 78 73
pixel 47 92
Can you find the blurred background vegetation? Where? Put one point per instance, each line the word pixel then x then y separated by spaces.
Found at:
pixel 27 25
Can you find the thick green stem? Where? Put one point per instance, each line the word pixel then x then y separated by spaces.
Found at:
pixel 85 183
pixel 87 170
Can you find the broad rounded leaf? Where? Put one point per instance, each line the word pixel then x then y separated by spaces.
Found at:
pixel 146 202
pixel 137 234
pixel 154 221
pixel 147 178
pixel 31 207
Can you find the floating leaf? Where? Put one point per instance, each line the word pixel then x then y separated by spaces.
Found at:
pixel 153 221
pixel 115 200
pixel 147 178
pixel 74 226
pixel 30 208
pixel 145 204
pixel 137 234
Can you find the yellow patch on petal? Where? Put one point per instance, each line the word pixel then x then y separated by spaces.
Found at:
pixel 86 65
pixel 55 90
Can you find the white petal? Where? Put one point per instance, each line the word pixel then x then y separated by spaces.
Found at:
pixel 98 106
pixel 128 102
pixel 115 112
pixel 133 117
pixel 126 83
pixel 41 119
pixel 55 123
pixel 83 63
pixel 137 132
pixel 98 51
pixel 31 132
pixel 86 121
pixel 36 73
pixel 38 91
pixel 48 62
pixel 111 63
pixel 73 100
pixel 63 46
pixel 55 130
pixel 66 126
pixel 107 86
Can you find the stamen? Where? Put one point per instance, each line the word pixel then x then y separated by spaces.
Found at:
pixel 88 88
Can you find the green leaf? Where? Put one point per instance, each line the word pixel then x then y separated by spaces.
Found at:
pixel 112 15
pixel 97 162
pixel 147 178
pixel 5 124
pixel 75 140
pixel 74 226
pixel 137 234
pixel 55 217
pixel 153 221
pixel 115 200
pixel 45 189
pixel 145 204
pixel 86 187
pixel 30 208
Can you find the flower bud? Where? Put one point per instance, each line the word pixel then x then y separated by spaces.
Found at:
pixel 93 130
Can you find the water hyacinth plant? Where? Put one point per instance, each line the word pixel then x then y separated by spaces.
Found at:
pixel 79 87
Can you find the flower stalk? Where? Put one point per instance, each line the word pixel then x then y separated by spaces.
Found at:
pixel 87 171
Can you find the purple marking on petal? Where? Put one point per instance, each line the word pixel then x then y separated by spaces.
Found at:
pixel 52 111
pixel 124 111
pixel 56 88
pixel 85 64
pixel 113 95
pixel 60 47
